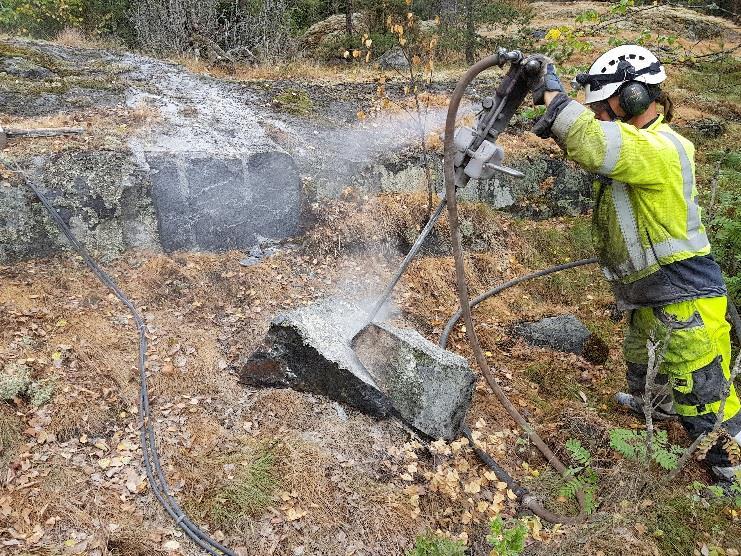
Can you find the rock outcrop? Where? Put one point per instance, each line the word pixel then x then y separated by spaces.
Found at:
pixel 201 174
pixel 328 32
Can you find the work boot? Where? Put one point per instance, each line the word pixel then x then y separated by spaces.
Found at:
pixel 663 412
pixel 728 480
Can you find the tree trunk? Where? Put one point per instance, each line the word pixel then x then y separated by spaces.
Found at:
pixel 448 14
pixel 470 33
pixel 348 18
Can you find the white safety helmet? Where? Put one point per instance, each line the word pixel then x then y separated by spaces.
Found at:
pixel 629 62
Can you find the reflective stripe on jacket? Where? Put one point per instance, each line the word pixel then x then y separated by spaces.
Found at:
pixel 646 214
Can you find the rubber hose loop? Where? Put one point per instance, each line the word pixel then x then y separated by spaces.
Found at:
pixel 450 187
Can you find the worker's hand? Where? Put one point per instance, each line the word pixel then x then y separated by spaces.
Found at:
pixel 548 83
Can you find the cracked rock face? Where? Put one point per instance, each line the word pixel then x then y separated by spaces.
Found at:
pixel 218 180
pixel 382 371
pixel 430 388
pixel 201 175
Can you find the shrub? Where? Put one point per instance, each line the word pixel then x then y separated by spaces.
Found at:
pixel 433 545
pixel 725 225
pixel 506 541
pixel 48 18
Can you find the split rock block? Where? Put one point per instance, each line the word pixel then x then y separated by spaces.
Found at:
pixel 393 372
pixel 430 388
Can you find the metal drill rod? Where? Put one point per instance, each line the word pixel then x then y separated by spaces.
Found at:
pixel 408 259
pixel 513 57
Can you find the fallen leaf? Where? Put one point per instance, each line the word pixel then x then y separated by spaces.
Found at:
pixel 292 514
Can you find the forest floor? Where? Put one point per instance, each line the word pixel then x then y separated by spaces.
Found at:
pixel 285 472
pixel 288 473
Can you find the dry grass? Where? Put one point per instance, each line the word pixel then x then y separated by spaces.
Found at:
pixel 301 70
pixel 10 433
pixel 75 38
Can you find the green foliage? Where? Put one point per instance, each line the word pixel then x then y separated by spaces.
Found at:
pixel 304 13
pixel 731 495
pixel 506 540
pixel 432 545
pixel 578 452
pixel 587 16
pixel 724 226
pixel 15 379
pixel 41 392
pixel 294 101
pixel 455 34
pixel 248 493
pixel 46 18
pixel 622 7
pixel 562 42
pixel 530 114
pixel 16 382
pixel 580 477
pixel 631 444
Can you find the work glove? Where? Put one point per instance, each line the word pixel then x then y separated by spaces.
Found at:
pixel 548 82
pixel 542 127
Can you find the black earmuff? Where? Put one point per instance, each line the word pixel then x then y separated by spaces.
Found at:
pixel 634 98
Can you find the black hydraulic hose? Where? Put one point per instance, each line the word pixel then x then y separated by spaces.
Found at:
pixel 450 188
pixel 506 285
pixel 155 475
pixel 499 471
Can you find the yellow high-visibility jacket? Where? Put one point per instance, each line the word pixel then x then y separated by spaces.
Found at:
pixel 646 215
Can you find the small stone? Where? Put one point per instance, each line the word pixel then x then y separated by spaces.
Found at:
pixel 341 413
pixel 564 333
pixel 249 261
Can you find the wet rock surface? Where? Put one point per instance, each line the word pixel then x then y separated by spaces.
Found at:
pixel 386 371
pixel 564 333
pixel 430 388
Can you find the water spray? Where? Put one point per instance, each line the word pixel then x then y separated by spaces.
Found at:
pixel 477 156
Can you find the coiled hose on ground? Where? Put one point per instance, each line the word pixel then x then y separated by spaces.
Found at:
pixel 152 466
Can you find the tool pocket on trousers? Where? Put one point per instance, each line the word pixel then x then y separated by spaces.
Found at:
pixel 701 387
pixel 688 338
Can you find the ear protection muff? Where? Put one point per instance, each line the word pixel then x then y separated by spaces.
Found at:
pixel 634 98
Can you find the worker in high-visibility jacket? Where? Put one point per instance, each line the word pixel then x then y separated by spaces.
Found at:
pixel 649 236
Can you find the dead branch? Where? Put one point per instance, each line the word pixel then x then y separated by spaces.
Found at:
pixel 42 132
pixel 214 53
pixel 654 361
